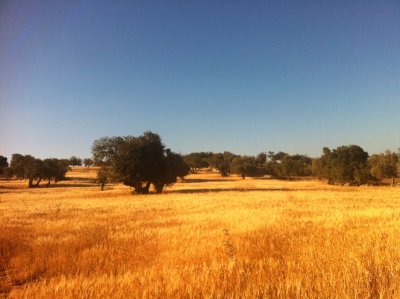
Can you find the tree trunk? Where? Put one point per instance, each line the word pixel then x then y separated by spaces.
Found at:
pixel 393 181
pixel 38 182
pixel 140 189
pixel 48 183
pixel 30 183
pixel 159 187
pixel 146 188
pixel 102 186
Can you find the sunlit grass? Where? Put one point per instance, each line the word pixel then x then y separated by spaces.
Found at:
pixel 206 237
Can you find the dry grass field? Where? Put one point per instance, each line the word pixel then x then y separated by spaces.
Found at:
pixel 208 237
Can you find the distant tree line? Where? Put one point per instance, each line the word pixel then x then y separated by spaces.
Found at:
pixel 277 165
pixel 27 167
pixel 144 161
pixel 343 165
pixel 35 170
pixel 352 165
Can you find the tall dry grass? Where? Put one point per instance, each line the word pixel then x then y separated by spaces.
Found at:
pixel 206 237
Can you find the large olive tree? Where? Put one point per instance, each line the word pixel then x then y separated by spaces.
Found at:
pixel 140 161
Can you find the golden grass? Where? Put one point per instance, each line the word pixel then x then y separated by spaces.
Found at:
pixel 207 237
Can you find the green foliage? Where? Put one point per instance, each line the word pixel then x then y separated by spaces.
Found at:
pixel 398 163
pixel 297 165
pixel 54 169
pixel 140 161
pixel 222 162
pixel 174 166
pixel 384 165
pixel 278 156
pixel 271 168
pixel 284 165
pixel 321 166
pixel 88 162
pixel 3 164
pixel 17 166
pixel 104 176
pixel 75 161
pixel 195 161
pixel 244 166
pixel 261 159
pixel 345 164
pixel 105 148
pixel 33 169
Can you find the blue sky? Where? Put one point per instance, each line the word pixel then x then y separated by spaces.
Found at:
pixel 244 76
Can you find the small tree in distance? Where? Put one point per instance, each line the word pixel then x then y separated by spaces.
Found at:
pixel 88 162
pixel 75 161
pixel 195 161
pixel 244 166
pixel 222 162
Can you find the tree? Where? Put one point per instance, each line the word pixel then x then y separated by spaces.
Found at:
pixel 278 156
pixel 33 169
pixel 284 165
pixel 3 164
pixel 301 165
pixel 398 163
pixel 244 166
pixel 345 164
pixel 384 165
pixel 53 169
pixel 195 161
pixel 26 167
pixel 75 161
pixel 222 162
pixel 105 148
pixel 321 166
pixel 88 162
pixel 261 159
pixel 287 166
pixel 17 167
pixel 104 175
pixel 173 167
pixel 140 161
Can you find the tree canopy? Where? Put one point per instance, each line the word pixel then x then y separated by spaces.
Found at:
pixel 75 161
pixel 140 162
pixel 222 162
pixel 3 164
pixel 245 166
pixel 384 165
pixel 88 162
pixel 195 161
pixel 345 164
pixel 34 169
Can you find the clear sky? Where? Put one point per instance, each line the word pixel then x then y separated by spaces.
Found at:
pixel 244 76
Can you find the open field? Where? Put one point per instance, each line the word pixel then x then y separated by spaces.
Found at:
pixel 207 237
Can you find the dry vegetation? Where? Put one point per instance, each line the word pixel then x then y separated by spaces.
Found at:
pixel 208 237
